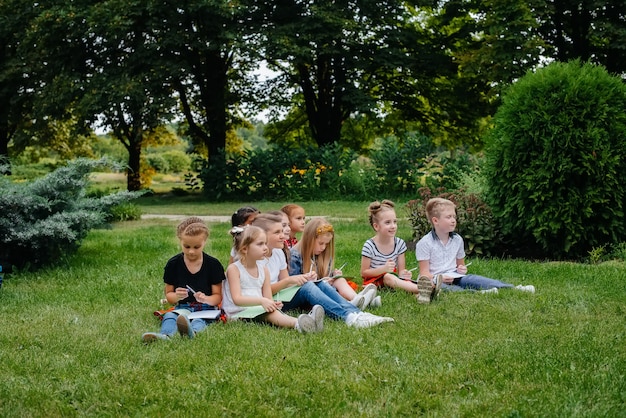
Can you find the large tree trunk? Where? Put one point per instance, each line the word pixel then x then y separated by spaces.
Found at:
pixel 5 136
pixel 324 108
pixel 133 171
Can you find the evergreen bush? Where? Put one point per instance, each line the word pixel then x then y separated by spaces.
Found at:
pixel 45 220
pixel 556 161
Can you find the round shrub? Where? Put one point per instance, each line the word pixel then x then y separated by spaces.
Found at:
pixel 177 161
pixel 158 162
pixel 556 161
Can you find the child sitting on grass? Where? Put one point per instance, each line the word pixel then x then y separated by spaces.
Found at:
pixel 247 289
pixel 441 253
pixel 383 261
pixel 296 222
pixel 316 253
pixel 245 215
pixel 193 282
pixel 303 290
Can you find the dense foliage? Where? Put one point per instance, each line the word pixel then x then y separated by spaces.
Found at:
pixel 45 220
pixel 396 169
pixel 557 161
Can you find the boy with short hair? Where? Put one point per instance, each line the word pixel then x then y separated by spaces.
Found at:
pixel 441 253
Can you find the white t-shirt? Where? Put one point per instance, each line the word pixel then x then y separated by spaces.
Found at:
pixel 250 286
pixel 442 257
pixel 275 264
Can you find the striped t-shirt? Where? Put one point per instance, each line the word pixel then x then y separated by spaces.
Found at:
pixel 379 259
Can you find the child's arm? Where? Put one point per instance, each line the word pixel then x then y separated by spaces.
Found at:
pixel 425 268
pixel 285 281
pixel 233 277
pixel 175 295
pixel 367 271
pixel 461 268
pixel 402 271
pixel 216 295
pixel 268 303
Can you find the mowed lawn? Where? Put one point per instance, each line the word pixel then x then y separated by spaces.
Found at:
pixel 70 340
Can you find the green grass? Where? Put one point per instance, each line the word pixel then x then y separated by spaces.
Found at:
pixel 70 342
pixel 192 205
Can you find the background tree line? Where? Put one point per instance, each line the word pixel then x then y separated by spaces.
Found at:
pixel 345 71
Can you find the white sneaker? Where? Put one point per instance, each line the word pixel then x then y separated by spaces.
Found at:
pixel 425 289
pixel 368 288
pixel 378 319
pixel 528 288
pixel 492 290
pixel 317 313
pixel 365 320
pixel 369 293
pixel 358 301
pixel 438 280
pixel 377 302
pixel 306 324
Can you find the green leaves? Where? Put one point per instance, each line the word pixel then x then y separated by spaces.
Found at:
pixel 43 221
pixel 557 160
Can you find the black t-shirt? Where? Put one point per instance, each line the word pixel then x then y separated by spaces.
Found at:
pixel 177 275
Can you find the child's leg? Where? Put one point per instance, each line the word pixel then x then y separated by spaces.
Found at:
pixel 168 325
pixel 280 319
pixel 198 324
pixel 474 281
pixel 395 282
pixel 344 288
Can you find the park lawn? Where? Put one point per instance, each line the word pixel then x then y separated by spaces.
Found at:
pixel 70 340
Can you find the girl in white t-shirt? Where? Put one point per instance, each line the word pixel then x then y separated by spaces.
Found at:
pixel 248 285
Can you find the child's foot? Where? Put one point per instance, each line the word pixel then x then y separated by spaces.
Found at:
pixel 358 301
pixel 365 320
pixel 150 337
pixel 438 280
pixel 317 313
pixel 493 290
pixel 376 302
pixel 184 326
pixel 425 289
pixel 528 288
pixel 369 293
pixel 306 324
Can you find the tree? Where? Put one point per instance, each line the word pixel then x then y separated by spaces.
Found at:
pixel 91 65
pixel 203 45
pixel 590 30
pixel 14 85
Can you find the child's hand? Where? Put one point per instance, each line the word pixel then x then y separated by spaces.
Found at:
pixel 390 266
pixel 447 279
pixel 299 280
pixel 270 305
pixel 461 269
pixel 310 276
pixel 338 272
pixel 406 274
pixel 200 297
pixel 181 293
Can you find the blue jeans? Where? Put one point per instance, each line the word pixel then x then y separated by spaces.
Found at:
pixel 168 325
pixel 474 282
pixel 323 294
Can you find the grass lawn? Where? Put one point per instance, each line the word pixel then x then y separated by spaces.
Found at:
pixel 70 340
